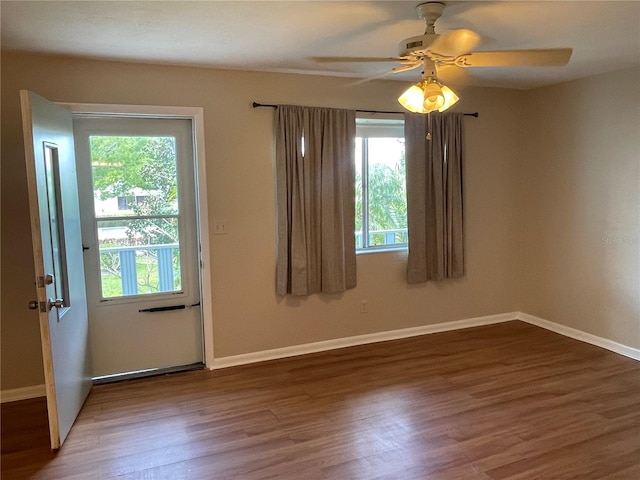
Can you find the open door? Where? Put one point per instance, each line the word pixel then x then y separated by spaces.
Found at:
pixel 57 253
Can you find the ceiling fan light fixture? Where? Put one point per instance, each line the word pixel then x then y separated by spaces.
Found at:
pixel 450 98
pixel 413 99
pixel 428 96
pixel 433 97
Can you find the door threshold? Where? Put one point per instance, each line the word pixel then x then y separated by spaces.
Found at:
pixel 149 372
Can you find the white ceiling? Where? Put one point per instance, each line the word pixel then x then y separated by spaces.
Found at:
pixel 281 36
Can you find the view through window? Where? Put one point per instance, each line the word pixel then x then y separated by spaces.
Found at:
pixel 381 200
pixel 136 209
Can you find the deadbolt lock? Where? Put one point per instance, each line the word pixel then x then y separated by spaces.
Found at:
pixel 45 280
pixel 35 305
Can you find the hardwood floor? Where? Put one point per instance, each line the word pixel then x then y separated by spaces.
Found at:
pixel 509 401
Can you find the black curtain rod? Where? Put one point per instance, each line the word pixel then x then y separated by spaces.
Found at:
pixel 257 105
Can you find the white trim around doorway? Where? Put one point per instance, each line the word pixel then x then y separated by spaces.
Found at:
pixel 196 115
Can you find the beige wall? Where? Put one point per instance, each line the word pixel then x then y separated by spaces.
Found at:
pixel 581 206
pixel 247 314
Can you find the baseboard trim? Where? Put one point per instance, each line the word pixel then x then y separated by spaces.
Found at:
pixel 580 335
pixel 285 352
pixel 35 391
pixel 24 393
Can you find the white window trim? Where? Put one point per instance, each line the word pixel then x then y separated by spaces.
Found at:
pixel 379 126
pixel 196 115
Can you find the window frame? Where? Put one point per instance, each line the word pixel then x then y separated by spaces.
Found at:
pixel 374 125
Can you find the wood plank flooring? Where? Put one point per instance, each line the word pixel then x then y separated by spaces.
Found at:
pixel 508 401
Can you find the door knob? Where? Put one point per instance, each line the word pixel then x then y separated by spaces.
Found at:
pixel 58 302
pixel 33 305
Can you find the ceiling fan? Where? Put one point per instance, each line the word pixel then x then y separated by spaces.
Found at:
pixel 445 55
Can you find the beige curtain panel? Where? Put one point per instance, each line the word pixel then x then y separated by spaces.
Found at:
pixel 434 196
pixel 316 200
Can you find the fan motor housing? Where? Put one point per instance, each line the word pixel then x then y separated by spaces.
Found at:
pixel 416 46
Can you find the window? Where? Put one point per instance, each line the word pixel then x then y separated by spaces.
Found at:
pixel 381 200
pixel 56 223
pixel 137 215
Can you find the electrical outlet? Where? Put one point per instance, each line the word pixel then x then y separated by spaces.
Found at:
pixel 364 308
pixel 220 228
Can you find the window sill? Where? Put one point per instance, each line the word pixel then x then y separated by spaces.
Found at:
pixel 383 249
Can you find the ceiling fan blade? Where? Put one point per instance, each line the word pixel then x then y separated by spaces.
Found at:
pixel 356 59
pixel 368 79
pixel 406 67
pixel 455 77
pixel 544 58
pixel 454 43
pixel 401 68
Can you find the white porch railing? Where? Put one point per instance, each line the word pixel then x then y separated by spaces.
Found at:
pixel 381 238
pixel 129 266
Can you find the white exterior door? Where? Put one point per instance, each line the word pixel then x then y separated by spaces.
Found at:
pixel 139 215
pixel 57 253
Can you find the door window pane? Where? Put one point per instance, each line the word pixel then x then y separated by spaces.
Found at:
pixel 56 225
pixel 131 264
pixel 134 175
pixel 136 201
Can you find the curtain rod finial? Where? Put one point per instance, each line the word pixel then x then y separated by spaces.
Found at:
pixel 257 105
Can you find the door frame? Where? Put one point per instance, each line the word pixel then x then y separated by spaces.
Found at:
pixel 196 115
